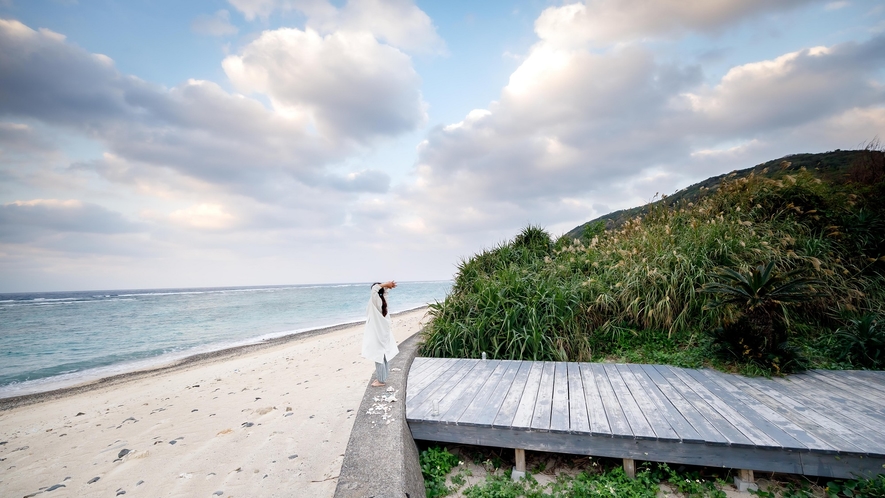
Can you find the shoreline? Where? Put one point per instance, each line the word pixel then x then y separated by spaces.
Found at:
pixel 11 402
pixel 268 419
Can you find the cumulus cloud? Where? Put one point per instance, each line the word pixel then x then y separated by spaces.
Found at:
pixel 399 23
pixel 576 129
pixel 217 24
pixel 346 91
pixel 345 84
pixel 792 89
pixel 611 21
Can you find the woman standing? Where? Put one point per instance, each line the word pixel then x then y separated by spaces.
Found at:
pixel 379 345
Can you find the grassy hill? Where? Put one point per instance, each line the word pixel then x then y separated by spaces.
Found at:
pixel 765 270
pixel 838 167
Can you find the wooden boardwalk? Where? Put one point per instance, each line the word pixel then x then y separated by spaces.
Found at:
pixel 824 423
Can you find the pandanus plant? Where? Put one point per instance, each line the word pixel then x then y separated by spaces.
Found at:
pixel 760 331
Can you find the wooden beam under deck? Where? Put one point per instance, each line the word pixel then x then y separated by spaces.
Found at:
pixel 825 423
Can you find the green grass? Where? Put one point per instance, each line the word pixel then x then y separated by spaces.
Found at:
pixel 605 477
pixel 632 293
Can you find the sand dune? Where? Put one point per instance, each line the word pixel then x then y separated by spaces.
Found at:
pixel 271 422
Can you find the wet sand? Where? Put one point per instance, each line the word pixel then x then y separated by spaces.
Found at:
pixel 264 420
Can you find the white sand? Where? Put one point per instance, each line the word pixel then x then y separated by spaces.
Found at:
pixel 272 422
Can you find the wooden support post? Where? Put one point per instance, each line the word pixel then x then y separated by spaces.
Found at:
pixel 519 469
pixel 630 468
pixel 744 480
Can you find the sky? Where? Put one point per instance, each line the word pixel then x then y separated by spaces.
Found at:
pixel 160 143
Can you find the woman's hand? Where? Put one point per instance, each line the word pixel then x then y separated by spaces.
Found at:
pixel 389 285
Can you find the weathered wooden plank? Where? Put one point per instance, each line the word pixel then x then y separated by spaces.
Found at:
pixel 770 460
pixel 596 416
pixel 431 372
pixel 418 369
pixel 578 420
pixel 705 429
pixel 874 379
pixel 866 405
pixel 768 408
pixel 833 419
pixel 526 408
pixel 460 397
pixel 485 406
pixel 421 406
pixel 859 386
pixel 421 374
pixel 613 411
pixel 852 388
pixel 544 402
pixel 829 426
pixel 635 417
pixel 423 389
pixel 652 413
pixel 826 442
pixel 510 405
pixel 559 416
pixel 719 422
pixel 841 410
pixel 663 408
pixel 780 430
pixel 708 391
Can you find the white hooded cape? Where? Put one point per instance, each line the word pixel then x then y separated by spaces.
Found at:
pixel 378 340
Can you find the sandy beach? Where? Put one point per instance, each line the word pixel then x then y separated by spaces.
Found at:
pixel 269 421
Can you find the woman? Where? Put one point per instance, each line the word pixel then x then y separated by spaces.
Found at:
pixel 379 345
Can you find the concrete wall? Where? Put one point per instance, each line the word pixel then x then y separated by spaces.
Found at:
pixel 381 459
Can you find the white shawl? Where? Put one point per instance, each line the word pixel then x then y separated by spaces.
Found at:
pixel 378 340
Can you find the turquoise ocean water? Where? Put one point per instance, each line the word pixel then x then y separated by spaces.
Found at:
pixel 57 339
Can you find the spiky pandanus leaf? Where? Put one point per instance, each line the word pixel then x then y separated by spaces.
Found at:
pixel 760 287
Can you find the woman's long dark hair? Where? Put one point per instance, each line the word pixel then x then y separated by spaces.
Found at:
pixel 383 301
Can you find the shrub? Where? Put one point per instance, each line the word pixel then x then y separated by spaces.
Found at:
pixel 862 342
pixel 436 463
pixel 638 284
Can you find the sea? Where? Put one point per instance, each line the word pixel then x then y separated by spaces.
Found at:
pixel 52 340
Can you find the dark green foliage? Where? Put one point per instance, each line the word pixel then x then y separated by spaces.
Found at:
pixel 593 229
pixel 501 486
pixel 760 332
pixel 862 342
pixel 761 288
pixel 436 463
pixel 633 292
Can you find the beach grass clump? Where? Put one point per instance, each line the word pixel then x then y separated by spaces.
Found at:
pixel 656 288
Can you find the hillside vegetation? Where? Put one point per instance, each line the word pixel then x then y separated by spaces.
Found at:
pixel 767 270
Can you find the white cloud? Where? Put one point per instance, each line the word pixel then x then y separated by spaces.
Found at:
pixel 217 24
pixel 577 128
pixel 610 21
pixel 203 216
pixel 399 23
pixel 346 84
pixel 792 89
pixel 194 171
pixel 332 96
